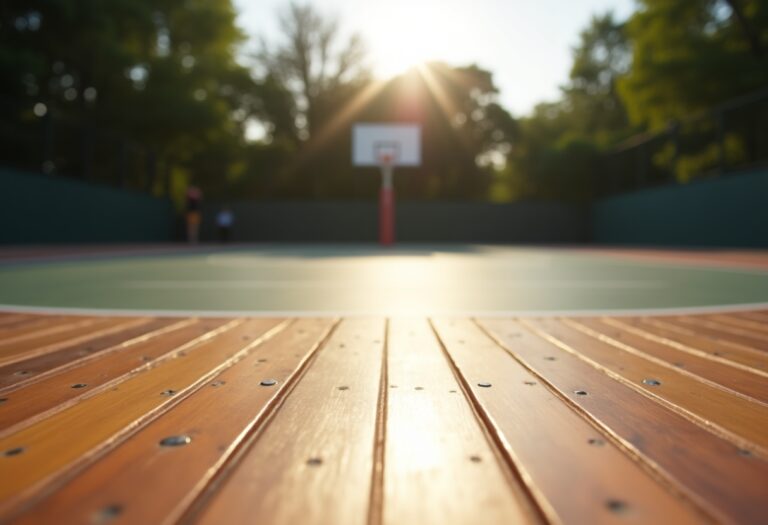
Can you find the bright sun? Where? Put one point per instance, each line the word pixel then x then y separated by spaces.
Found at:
pixel 406 37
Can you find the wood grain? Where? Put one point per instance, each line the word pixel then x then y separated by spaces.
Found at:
pixel 47 341
pixel 120 479
pixel 759 328
pixel 722 332
pixel 726 481
pixel 37 325
pixel 701 365
pixel 712 407
pixel 758 316
pixel 576 474
pixel 439 467
pixel 50 446
pixel 751 360
pixel 35 368
pixel 27 404
pixel 314 461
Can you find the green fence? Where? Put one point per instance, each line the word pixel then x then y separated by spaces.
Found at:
pixel 45 209
pixel 727 211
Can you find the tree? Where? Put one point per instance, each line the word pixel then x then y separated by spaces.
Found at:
pixel 312 63
pixel 559 146
pixel 690 55
pixel 159 74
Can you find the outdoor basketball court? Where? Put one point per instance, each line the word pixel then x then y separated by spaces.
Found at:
pixel 353 280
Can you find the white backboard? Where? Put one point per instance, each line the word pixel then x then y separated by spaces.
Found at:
pixel 374 143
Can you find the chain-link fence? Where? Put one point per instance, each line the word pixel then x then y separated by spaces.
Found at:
pixel 44 142
pixel 729 138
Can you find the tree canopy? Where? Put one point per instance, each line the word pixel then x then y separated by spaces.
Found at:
pixel 177 81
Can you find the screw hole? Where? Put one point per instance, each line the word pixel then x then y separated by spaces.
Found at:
pixel 392 386
pixel 484 385
pixel 475 459
pixel 108 513
pixel 314 462
pixel 597 442
pixel 21 373
pixel 745 452
pixel 3 400
pixel 268 382
pixel 79 385
pixel 218 383
pixel 550 358
pixel 451 391
pixel 652 382
pixel 615 505
pixel 343 388
pixel 580 392
pixel 175 441
pixel 419 388
pixel 13 451
pixel 529 383
pixel 168 393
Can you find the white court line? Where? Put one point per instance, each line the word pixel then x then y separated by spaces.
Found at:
pixel 112 312
pixel 237 284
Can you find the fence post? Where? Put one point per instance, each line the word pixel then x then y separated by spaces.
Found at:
pixel 122 164
pixel 641 164
pixel 88 137
pixel 167 168
pixel 151 170
pixel 721 160
pixel 674 131
pixel 49 146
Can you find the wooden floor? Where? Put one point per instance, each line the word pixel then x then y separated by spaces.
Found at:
pixel 372 420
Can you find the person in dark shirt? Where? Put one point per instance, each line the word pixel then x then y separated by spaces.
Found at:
pixel 193 214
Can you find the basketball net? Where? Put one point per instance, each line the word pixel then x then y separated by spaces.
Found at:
pixel 386 159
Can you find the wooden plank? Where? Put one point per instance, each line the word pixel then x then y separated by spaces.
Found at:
pixel 702 365
pixel 314 461
pixel 28 404
pixel 47 448
pixel 178 475
pixel 41 326
pixel 711 407
pixel 440 467
pixel 758 328
pixel 757 316
pixel 35 368
pixel 674 335
pixel 576 473
pixel 721 331
pixel 15 350
pixel 11 320
pixel 727 481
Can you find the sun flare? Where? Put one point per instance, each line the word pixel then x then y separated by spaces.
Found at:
pixel 406 37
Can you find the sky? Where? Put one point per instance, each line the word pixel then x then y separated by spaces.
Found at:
pixel 526 44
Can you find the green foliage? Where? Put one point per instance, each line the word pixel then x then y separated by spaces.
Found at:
pixel 161 74
pixel 558 150
pixel 691 55
pixel 171 77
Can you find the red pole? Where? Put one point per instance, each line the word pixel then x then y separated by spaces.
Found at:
pixel 386 216
pixel 386 207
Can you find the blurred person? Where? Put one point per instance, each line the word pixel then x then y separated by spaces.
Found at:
pixel 225 220
pixel 193 214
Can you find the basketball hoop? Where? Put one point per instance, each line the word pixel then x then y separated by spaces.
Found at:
pixel 386 159
pixel 386 146
pixel 387 153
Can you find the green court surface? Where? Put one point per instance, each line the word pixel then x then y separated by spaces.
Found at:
pixel 347 280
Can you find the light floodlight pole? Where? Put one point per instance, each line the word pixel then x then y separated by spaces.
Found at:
pixel 386 205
